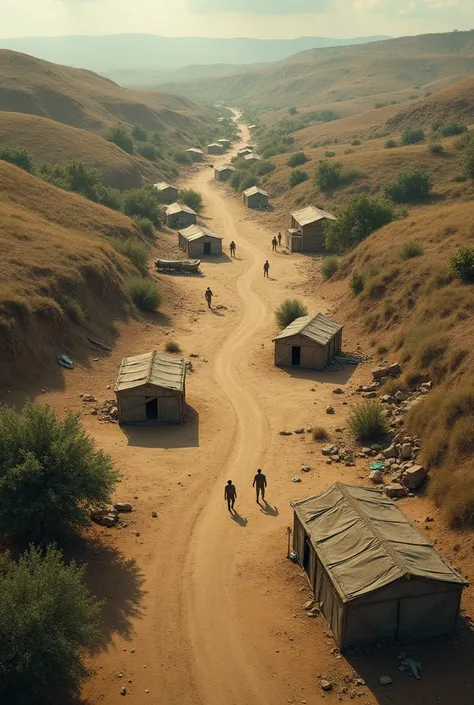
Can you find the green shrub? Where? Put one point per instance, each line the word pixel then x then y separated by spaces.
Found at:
pixel 172 347
pixel 462 264
pixel 111 197
pixel 355 143
pixel 51 474
pixel 297 159
pixel 18 157
pixel 357 284
pixel 182 157
pixel 136 251
pixel 408 186
pixel 319 434
pixel 247 182
pixel 48 622
pixel 451 129
pixel 144 293
pixel 289 311
pixel 329 267
pixel 263 168
pixel 358 218
pixel 411 249
pixel 149 150
pixel 390 144
pixel 191 198
pixel 466 160
pixel 292 111
pixel 144 225
pixel 139 133
pixel 436 148
pixel 412 136
pixel 329 154
pixel 120 136
pixel 367 421
pixel 144 203
pixel 297 176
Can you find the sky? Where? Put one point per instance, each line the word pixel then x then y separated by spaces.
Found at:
pixel 231 18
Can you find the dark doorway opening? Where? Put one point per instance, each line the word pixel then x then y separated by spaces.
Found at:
pixel 152 410
pixel 295 355
pixel 306 553
pixel 207 248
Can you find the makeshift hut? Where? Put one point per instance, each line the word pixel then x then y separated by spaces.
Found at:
pixel 252 157
pixel 226 144
pixel 197 155
pixel 244 151
pixel 179 215
pixel 310 341
pixel 198 241
pixel 306 233
pixel 375 576
pixel 255 197
pixel 224 172
pixel 150 388
pixel 215 148
pixel 166 192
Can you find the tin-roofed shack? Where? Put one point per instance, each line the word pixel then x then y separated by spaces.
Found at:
pixel 310 341
pixel 224 172
pixel 197 155
pixel 306 233
pixel 198 241
pixel 215 148
pixel 255 197
pixel 151 388
pixel 167 193
pixel 375 576
pixel 179 215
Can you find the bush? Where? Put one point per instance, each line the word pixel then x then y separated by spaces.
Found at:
pixel 18 157
pixel 466 160
pixel 462 264
pixel 436 148
pixel 408 186
pixel 359 217
pixel 75 176
pixel 390 144
pixel 330 175
pixel 263 168
pixel 145 225
pixel 329 154
pixel 411 249
pixel 357 284
pixel 247 182
pixel 182 157
pixel 191 198
pixel 289 311
pixel 297 159
pixel 367 421
pixel 121 137
pixel 149 151
pixel 319 434
pixel 111 197
pixel 136 251
pixel 143 202
pixel 139 133
pixel 329 267
pixel 292 111
pixel 48 621
pixel 355 143
pixel 297 176
pixel 51 474
pixel 144 293
pixel 412 136
pixel 172 347
pixel 451 129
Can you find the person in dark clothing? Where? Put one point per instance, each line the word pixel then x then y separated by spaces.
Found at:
pixel 260 483
pixel 232 249
pixel 279 239
pixel 230 494
pixel 266 268
pixel 208 295
pixel 274 244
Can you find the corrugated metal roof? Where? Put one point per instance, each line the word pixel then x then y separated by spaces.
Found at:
pixel 317 327
pixel 179 208
pixel 311 214
pixel 366 542
pixel 253 190
pixel 195 149
pixel 225 167
pixel 253 157
pixel 151 368
pixel 214 144
pixel 163 185
pixel 223 140
pixel 196 232
pixel 243 151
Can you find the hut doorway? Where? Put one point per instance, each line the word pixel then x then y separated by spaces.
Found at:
pixel 152 410
pixel 207 248
pixel 295 355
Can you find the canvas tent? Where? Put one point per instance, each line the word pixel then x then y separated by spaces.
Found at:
pixel 375 576
pixel 150 388
pixel 310 341
pixel 198 241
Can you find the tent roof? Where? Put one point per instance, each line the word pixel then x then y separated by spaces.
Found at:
pixel 366 542
pixel 215 144
pixel 223 139
pixel 163 185
pixel 253 157
pixel 318 328
pixel 311 214
pixel 225 167
pixel 151 368
pixel 195 149
pixel 179 208
pixel 196 232
pixel 253 190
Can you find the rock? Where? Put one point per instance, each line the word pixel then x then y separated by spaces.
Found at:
pixel 286 433
pixel 376 448
pixel 104 517
pixel 386 399
pixel 88 397
pixel 391 452
pixel 395 490
pixel 328 450
pixel 428 519
pixel 108 520
pixel 123 691
pixel 406 451
pixel 154 515
pixel 394 370
pixel 427 386
pixel 414 477
pixel 401 396
pixel 94 412
pixel 385 680
pixel 309 605
pixel 299 431
pixel 335 458
pixel 376 477
pixel 367 451
pixel 306 468
pixel 338 390
pixel 330 410
pixel 123 507
pixel 326 686
pixel 369 395
pixel 379 372
pixel 296 479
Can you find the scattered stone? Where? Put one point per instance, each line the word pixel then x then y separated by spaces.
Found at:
pixel 406 451
pixel 414 477
pixel 154 515
pixel 386 399
pixel 427 386
pixel 391 452
pixel 395 490
pixel 369 395
pixel 376 477
pixel 93 412
pixel 309 605
pixel 87 397
pixel 105 517
pixel 429 519
pixel 123 507
pixel 335 458
pixel 401 396
pixel 385 680
pixel 376 448
pixel 394 370
pixel 299 431
pixel 330 410
pixel 328 450
pixel 367 451
pixel 286 433
pixel 137 533
pixel 379 372
pixel 193 355
pixel 326 686
pixel 296 479
pixel 306 468
pixel 338 390
pixel 123 691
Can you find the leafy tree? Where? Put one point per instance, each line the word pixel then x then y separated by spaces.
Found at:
pixel 77 177
pixel 181 157
pixel 19 157
pixel 143 202
pixel 297 159
pixel 192 198
pixel 139 133
pixel 408 186
pixel 51 473
pixel 48 621
pixel 247 182
pixel 412 136
pixel 360 216
pixel 111 197
pixel 297 176
pixel 330 175
pixel 462 264
pixel 357 284
pixel 262 168
pixel 149 150
pixel 120 136
pixel 466 160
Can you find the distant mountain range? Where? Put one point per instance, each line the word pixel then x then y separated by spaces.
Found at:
pixel 133 54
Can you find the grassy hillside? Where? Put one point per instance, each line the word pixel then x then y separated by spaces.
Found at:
pixel 60 276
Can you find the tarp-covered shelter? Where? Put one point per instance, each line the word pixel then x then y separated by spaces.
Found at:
pixel 310 341
pixel 167 192
pixel 151 388
pixel 306 233
pixel 255 197
pixel 179 215
pixel 375 576
pixel 198 241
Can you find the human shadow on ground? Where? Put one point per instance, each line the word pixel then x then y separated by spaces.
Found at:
pixel 267 509
pixel 217 313
pixel 240 520
pixel 185 435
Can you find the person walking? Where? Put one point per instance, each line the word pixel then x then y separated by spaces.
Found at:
pixel 230 495
pixel 208 295
pixel 232 249
pixel 279 239
pixel 260 483
pixel 266 268
pixel 274 244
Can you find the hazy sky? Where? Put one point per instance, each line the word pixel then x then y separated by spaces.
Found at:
pixel 227 18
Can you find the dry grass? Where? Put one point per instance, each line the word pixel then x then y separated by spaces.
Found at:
pixel 319 434
pixel 172 347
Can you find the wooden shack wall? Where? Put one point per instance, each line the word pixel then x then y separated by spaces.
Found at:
pixel 313 237
pixel 180 220
pixel 313 355
pixel 131 404
pixel 222 175
pixel 257 200
pixel 215 149
pixel 168 195
pixel 196 248
pixel 196 157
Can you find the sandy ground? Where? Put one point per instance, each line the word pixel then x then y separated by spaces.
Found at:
pixel 201 607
